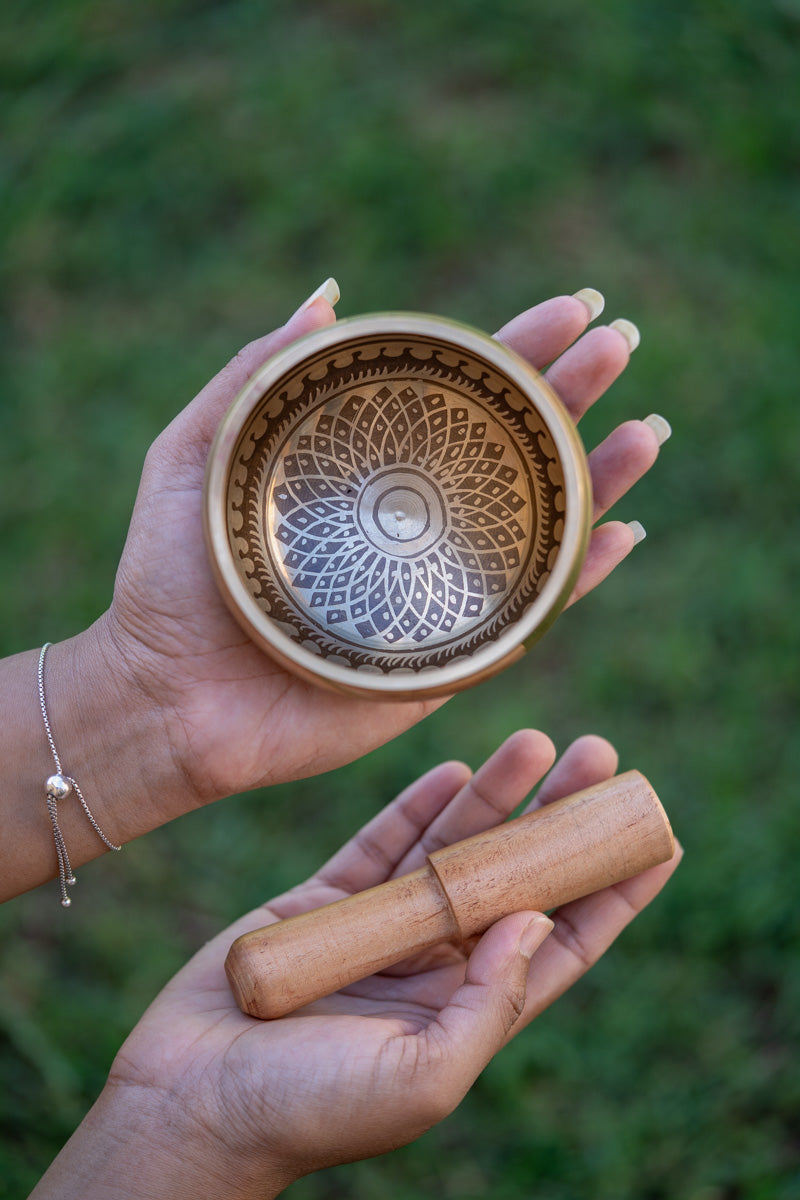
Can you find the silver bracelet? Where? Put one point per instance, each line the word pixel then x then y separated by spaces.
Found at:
pixel 58 787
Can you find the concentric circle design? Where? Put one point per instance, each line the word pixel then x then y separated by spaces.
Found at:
pixel 393 515
pixel 401 512
pixel 394 505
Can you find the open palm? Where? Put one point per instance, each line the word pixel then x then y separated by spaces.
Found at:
pixel 232 718
pixel 373 1066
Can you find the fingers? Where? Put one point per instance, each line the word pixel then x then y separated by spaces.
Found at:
pixel 583 931
pixel 494 791
pixel 195 427
pixel 370 857
pixel 375 852
pixel 588 760
pixel 615 466
pixel 543 332
pixel 582 367
pixel 581 372
pixel 442 807
pixel 608 546
pixel 313 313
pixel 619 461
pixel 585 371
pixel 482 1012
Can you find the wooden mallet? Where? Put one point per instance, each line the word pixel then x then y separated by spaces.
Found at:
pixel 564 850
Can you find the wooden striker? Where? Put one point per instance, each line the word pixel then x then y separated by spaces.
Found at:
pixel 565 850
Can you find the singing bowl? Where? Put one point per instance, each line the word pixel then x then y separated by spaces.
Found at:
pixel 396 506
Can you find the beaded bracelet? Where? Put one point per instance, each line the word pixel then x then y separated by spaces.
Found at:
pixel 58 787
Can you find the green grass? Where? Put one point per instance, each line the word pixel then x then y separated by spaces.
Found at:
pixel 175 178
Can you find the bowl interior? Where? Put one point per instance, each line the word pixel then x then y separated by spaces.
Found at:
pixel 397 501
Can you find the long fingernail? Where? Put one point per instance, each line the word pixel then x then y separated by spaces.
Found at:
pixel 628 331
pixel 660 427
pixel 329 290
pixel 638 530
pixel 595 301
pixel 534 934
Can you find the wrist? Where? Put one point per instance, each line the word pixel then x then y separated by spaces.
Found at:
pixel 111 739
pixel 112 735
pixel 144 1144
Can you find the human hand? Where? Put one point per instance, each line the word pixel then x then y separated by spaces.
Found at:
pixel 222 714
pixel 211 1099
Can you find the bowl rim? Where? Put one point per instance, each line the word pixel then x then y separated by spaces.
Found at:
pixel 400 683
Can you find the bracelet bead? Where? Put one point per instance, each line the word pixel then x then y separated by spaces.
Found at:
pixel 58 786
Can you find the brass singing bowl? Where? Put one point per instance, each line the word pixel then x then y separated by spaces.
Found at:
pixel 396 506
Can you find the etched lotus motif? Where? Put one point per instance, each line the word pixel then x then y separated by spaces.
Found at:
pixel 393 506
pixel 393 515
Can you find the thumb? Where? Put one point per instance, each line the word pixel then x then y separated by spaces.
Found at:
pixel 199 420
pixel 475 1024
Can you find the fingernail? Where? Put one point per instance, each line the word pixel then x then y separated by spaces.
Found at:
pixel 628 331
pixel 660 427
pixel 639 531
pixel 329 290
pixel 595 301
pixel 533 935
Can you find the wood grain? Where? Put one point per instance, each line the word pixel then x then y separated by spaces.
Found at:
pixel 555 854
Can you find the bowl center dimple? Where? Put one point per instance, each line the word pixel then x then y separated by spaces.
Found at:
pixel 401 511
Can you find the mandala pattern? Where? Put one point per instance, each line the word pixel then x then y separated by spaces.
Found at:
pixel 388 516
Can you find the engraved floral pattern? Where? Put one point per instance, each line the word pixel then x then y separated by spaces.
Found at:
pixel 394 506
pixel 391 574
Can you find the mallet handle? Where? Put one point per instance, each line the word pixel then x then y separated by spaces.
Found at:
pixel 558 853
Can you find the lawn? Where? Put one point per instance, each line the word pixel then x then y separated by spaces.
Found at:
pixel 176 177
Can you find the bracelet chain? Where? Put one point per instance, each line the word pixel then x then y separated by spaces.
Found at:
pixel 58 787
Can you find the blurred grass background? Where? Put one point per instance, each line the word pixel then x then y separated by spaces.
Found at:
pixel 177 176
